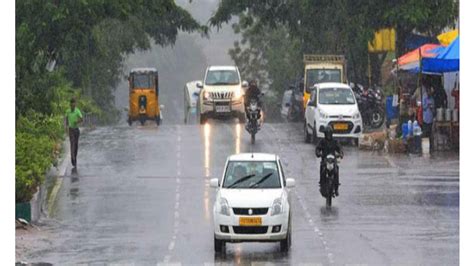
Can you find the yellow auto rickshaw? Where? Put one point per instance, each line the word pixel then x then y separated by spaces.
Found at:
pixel 143 96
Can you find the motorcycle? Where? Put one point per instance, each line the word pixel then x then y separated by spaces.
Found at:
pixel 371 106
pixel 253 117
pixel 328 186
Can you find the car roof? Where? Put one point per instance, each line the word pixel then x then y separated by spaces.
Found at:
pixel 333 85
pixel 143 69
pixel 222 68
pixel 253 157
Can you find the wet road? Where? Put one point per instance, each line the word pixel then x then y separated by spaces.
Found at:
pixel 141 196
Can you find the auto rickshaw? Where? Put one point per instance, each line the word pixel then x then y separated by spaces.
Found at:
pixel 144 96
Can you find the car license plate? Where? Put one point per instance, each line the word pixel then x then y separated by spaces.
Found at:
pixel 222 109
pixel 250 221
pixel 341 126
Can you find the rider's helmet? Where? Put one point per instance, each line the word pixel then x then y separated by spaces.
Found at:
pixel 328 133
pixel 253 84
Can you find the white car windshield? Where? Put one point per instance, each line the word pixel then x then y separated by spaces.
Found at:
pixel 252 174
pixel 336 96
pixel 222 77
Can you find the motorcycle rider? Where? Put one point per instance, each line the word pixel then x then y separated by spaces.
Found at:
pixel 326 146
pixel 253 92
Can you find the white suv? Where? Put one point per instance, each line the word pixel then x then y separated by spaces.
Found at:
pixel 332 104
pixel 221 94
pixel 252 202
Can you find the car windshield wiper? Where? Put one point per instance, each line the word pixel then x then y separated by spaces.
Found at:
pixel 240 180
pixel 220 83
pixel 261 180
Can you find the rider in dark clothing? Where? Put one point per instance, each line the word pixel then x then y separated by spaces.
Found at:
pixel 253 92
pixel 326 146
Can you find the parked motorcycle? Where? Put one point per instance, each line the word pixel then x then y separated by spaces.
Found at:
pixel 371 105
pixel 328 186
pixel 254 111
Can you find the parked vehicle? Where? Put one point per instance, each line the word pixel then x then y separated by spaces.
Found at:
pixel 371 105
pixel 191 98
pixel 143 96
pixel 332 104
pixel 252 202
pixel 292 105
pixel 221 94
pixel 254 120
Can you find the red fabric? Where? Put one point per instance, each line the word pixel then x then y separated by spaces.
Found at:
pixel 455 94
pixel 419 115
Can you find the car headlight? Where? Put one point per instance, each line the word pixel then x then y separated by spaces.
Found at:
pixel 206 95
pixel 356 116
pixel 277 207
pixel 238 94
pixel 323 115
pixel 224 207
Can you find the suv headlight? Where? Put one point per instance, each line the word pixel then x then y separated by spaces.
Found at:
pixel 277 207
pixel 224 207
pixel 356 116
pixel 206 95
pixel 238 94
pixel 323 115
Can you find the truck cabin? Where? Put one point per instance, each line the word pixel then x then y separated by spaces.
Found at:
pixel 320 75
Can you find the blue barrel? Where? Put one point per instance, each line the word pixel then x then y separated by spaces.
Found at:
pixel 404 130
pixel 392 112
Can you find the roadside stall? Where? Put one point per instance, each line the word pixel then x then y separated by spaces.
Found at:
pixel 435 69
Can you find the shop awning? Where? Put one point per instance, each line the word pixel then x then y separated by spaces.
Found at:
pixel 411 60
pixel 447 59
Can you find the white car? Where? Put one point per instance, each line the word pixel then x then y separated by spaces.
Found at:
pixel 221 94
pixel 252 202
pixel 332 104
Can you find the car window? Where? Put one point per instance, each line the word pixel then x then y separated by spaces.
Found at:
pixel 251 174
pixel 142 81
pixel 222 77
pixel 336 96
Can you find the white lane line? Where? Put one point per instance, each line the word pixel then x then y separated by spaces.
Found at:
pixel 171 246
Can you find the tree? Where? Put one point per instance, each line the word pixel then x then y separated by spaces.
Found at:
pixel 343 26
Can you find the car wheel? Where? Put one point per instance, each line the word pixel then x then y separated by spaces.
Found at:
pixel 202 119
pixel 307 136
pixel 219 245
pixel 242 118
pixel 285 244
pixel 356 142
pixel 314 138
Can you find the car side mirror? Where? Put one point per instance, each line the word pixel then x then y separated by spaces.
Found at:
pixel 245 84
pixel 290 183
pixel 199 84
pixel 214 183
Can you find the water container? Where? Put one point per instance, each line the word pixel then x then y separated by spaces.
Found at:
pixel 440 114
pixel 404 130
pixel 455 115
pixel 447 115
pixel 410 128
pixel 416 129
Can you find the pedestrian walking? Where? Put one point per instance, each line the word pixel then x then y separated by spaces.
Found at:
pixel 72 120
pixel 428 115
